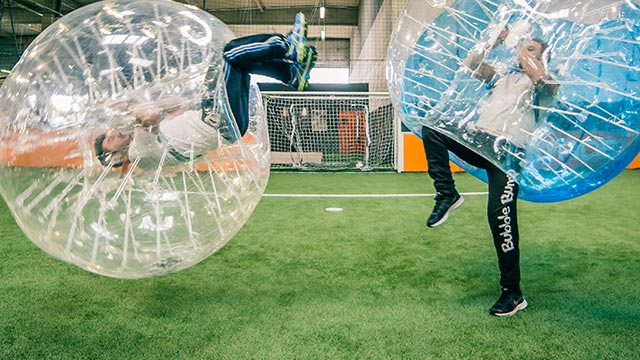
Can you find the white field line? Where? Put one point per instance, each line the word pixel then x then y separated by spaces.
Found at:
pixel 363 195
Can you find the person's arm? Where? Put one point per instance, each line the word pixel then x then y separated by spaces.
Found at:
pixel 172 105
pixel 480 69
pixel 535 69
pixel 147 117
pixel 173 112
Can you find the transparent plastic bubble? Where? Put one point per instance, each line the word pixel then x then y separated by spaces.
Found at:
pixel 129 67
pixel 562 136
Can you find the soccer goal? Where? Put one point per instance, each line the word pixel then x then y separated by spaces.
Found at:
pixel 331 130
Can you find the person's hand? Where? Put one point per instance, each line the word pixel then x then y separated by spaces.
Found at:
pixel 532 66
pixel 147 116
pixel 473 59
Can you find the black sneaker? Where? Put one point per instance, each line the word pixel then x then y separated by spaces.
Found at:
pixel 509 303
pixel 444 205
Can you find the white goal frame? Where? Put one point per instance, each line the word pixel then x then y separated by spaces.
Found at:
pixel 332 131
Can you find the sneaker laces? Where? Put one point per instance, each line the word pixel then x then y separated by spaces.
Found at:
pixel 508 296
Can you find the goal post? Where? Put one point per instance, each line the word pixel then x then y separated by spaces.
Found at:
pixel 331 130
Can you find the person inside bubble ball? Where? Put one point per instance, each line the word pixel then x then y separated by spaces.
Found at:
pixel 508 106
pixel 512 109
pixel 167 130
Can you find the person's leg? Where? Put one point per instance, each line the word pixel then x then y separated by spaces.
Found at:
pixel 243 53
pixel 262 54
pixel 240 55
pixel 503 222
pixel 238 80
pixel 437 151
pixel 268 56
pixel 502 215
pixel 246 51
pixel 437 145
pixel 436 148
pixel 281 70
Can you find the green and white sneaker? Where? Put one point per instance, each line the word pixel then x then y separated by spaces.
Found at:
pixel 300 71
pixel 297 40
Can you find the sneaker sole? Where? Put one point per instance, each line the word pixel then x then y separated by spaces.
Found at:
pixel 310 61
pixel 523 305
pixel 302 47
pixel 304 27
pixel 455 205
pixel 303 44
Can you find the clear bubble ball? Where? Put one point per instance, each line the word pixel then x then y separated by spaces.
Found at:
pixel 546 90
pixel 129 68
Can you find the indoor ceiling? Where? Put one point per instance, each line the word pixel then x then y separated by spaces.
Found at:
pixel 29 16
pixel 23 20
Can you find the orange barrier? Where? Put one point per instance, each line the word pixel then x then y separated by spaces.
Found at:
pixel 228 158
pixel 51 150
pixel 415 161
pixel 45 149
pixel 635 164
pixel 414 157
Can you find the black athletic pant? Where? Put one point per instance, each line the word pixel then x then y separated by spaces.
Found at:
pixel 262 54
pixel 502 201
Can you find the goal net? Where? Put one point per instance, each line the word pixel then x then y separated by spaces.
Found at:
pixel 331 131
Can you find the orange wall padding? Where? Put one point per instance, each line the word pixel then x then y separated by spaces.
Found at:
pixel 414 157
pixel 635 164
pixel 415 161
pixel 47 152
pixel 43 152
pixel 67 154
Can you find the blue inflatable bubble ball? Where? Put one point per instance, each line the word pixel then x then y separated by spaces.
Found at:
pixel 546 90
pixel 83 167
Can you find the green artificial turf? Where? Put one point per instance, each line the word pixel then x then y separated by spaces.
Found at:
pixel 371 281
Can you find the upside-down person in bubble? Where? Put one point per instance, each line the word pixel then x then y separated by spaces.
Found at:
pixel 504 122
pixel 166 129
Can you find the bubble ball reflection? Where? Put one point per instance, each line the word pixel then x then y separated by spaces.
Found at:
pixel 100 70
pixel 461 67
